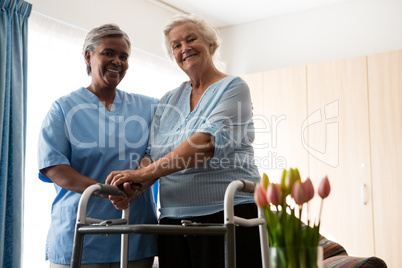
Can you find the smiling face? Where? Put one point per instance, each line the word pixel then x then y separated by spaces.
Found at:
pixel 109 62
pixel 189 48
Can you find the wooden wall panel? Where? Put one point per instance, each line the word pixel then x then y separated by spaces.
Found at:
pixel 339 147
pixel 285 107
pixel 385 95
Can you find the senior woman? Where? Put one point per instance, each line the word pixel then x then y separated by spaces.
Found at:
pixel 85 136
pixel 200 141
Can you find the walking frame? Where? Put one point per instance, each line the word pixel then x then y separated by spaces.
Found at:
pixel 121 226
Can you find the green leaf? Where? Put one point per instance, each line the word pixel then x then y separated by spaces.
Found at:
pixel 265 180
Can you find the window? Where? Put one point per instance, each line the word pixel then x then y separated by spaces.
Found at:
pixel 56 67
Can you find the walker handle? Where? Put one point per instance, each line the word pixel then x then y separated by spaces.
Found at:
pixel 107 189
pixel 248 186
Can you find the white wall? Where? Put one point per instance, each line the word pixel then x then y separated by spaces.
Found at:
pixel 140 19
pixel 355 28
pixel 349 29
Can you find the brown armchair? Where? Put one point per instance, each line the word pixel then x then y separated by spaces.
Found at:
pixel 335 256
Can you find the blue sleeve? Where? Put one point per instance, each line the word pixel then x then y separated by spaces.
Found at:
pixel 53 147
pixel 230 121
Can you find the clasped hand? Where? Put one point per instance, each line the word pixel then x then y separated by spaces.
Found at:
pixel 126 181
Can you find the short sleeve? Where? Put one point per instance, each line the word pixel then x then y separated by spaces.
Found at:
pixel 230 121
pixel 53 145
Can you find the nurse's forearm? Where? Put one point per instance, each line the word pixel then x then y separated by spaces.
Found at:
pixel 68 178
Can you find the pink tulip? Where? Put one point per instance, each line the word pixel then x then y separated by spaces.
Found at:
pixel 274 194
pixel 325 188
pixel 260 196
pixel 308 189
pixel 298 193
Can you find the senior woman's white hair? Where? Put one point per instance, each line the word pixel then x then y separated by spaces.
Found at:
pixel 209 32
pixel 95 36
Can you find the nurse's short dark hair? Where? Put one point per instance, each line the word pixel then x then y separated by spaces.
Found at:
pixel 94 38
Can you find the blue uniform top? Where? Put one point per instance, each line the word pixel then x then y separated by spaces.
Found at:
pixel 79 131
pixel 224 111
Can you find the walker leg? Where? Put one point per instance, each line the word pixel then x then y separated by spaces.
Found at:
pixel 124 251
pixel 230 246
pixel 77 248
pixel 263 240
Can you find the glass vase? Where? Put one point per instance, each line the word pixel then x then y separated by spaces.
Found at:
pixel 295 257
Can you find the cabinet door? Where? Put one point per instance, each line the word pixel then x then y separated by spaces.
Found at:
pixel 279 101
pixel 285 108
pixel 385 99
pixel 338 142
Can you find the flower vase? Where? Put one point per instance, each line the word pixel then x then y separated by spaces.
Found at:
pixel 296 257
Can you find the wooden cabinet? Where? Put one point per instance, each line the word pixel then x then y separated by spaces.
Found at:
pixel 385 95
pixel 342 119
pixel 279 99
pixel 338 138
pixel 285 93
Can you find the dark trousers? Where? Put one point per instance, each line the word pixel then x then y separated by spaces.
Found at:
pixel 200 251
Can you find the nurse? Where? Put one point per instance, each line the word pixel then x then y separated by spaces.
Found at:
pixel 86 135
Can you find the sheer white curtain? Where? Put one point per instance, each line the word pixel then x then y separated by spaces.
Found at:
pixel 55 68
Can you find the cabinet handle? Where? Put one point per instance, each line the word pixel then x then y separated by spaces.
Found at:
pixel 363 194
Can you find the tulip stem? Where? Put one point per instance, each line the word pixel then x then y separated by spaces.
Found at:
pixel 319 216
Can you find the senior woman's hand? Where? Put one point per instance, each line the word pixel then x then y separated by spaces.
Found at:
pixel 134 178
pixel 121 176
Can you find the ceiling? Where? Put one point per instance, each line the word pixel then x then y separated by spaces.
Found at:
pixel 223 13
